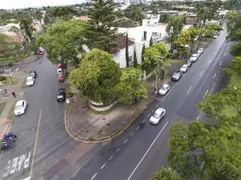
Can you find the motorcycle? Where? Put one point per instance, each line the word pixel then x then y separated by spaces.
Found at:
pixel 6 145
pixel 10 137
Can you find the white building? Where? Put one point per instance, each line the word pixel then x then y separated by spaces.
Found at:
pixel 119 53
pixel 151 28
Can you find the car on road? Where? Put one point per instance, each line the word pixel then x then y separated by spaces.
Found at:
pixel 215 36
pixel 194 57
pixel 177 75
pixel 33 74
pixel 20 107
pixel 30 81
pixel 61 95
pixel 164 89
pixel 158 115
pixel 59 66
pixel 61 77
pixel 59 71
pixel 200 51
pixel 184 68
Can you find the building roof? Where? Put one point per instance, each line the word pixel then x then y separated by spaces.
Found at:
pixel 122 44
pixel 84 18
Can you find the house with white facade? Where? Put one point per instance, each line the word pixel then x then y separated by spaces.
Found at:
pixel 119 53
pixel 151 28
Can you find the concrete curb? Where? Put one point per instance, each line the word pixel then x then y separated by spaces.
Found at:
pixel 108 138
pixel 30 61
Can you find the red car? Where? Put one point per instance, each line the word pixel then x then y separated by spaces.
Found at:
pixel 59 66
pixel 60 77
pixel 41 52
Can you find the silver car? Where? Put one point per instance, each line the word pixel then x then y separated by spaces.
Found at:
pixel 20 107
pixel 158 115
pixel 164 89
pixel 177 75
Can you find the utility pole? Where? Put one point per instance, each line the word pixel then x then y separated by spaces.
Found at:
pixel 157 73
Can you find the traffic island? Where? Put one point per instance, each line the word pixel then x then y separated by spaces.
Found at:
pixel 84 125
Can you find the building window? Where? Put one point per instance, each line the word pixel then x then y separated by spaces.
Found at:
pixel 130 58
pixel 144 35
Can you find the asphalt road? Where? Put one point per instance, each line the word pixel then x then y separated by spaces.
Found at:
pixel 41 132
pixel 142 148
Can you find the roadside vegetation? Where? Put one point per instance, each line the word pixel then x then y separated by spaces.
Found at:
pixel 2 105
pixel 8 81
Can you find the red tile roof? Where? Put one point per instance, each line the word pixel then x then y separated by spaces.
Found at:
pixel 84 18
pixel 122 44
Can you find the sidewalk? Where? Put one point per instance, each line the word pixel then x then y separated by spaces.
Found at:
pixel 10 100
pixel 86 125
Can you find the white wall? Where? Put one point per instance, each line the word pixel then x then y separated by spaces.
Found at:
pixel 120 57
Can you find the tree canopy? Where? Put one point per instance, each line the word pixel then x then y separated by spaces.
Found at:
pixel 164 174
pixel 63 41
pixel 101 29
pixel 96 76
pixel 130 86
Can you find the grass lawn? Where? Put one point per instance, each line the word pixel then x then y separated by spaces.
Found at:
pixel 11 113
pixel 24 83
pixel 2 107
pixel 9 81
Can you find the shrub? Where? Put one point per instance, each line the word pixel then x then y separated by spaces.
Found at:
pixel 69 94
pixel 3 78
pixel 10 64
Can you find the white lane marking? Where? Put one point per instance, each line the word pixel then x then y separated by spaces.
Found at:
pixel 189 89
pixel 220 63
pixel 157 105
pixel 132 134
pixel 27 178
pixel 148 115
pixel 143 121
pixel 94 176
pixel 201 73
pixel 125 141
pixel 110 157
pixel 198 118
pixel 147 151
pixel 117 149
pixel 153 110
pixel 137 127
pixel 103 166
pixel 206 92
pixel 212 88
pixel 214 75
pixel 199 115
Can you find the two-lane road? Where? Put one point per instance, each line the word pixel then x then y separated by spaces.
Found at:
pixel 143 147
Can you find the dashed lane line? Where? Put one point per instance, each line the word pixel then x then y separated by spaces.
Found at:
pixel 126 141
pixel 132 133
pixel 137 127
pixel 189 89
pixel 143 121
pixel 111 158
pixel 153 110
pixel 103 166
pixel 214 75
pixel 220 63
pixel 117 149
pixel 148 115
pixel 94 176
pixel 157 105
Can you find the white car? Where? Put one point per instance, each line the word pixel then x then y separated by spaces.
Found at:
pixel 215 36
pixel 59 71
pixel 20 107
pixel 194 57
pixel 184 68
pixel 158 115
pixel 200 51
pixel 164 89
pixel 30 81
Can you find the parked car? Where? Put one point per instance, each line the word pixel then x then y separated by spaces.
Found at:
pixel 184 68
pixel 61 95
pixel 41 51
pixel 189 63
pixel 30 81
pixel 215 36
pixel 59 66
pixel 158 115
pixel 200 51
pixel 33 74
pixel 59 71
pixel 164 89
pixel 194 57
pixel 20 107
pixel 177 75
pixel 61 77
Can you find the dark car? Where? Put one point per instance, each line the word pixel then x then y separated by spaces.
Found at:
pixel 33 74
pixel 61 95
pixel 177 75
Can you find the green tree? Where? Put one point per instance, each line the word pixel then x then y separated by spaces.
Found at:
pixel 39 16
pixel 235 64
pixel 27 28
pixel 135 59
pixel 153 55
pixel 236 49
pixel 134 12
pixel 63 41
pixel 174 27
pixel 130 86
pixel 151 42
pixel 164 174
pixel 96 77
pixel 127 51
pixel 101 29
pixel 164 18
pixel 142 52
pixel 194 33
pixel 3 42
